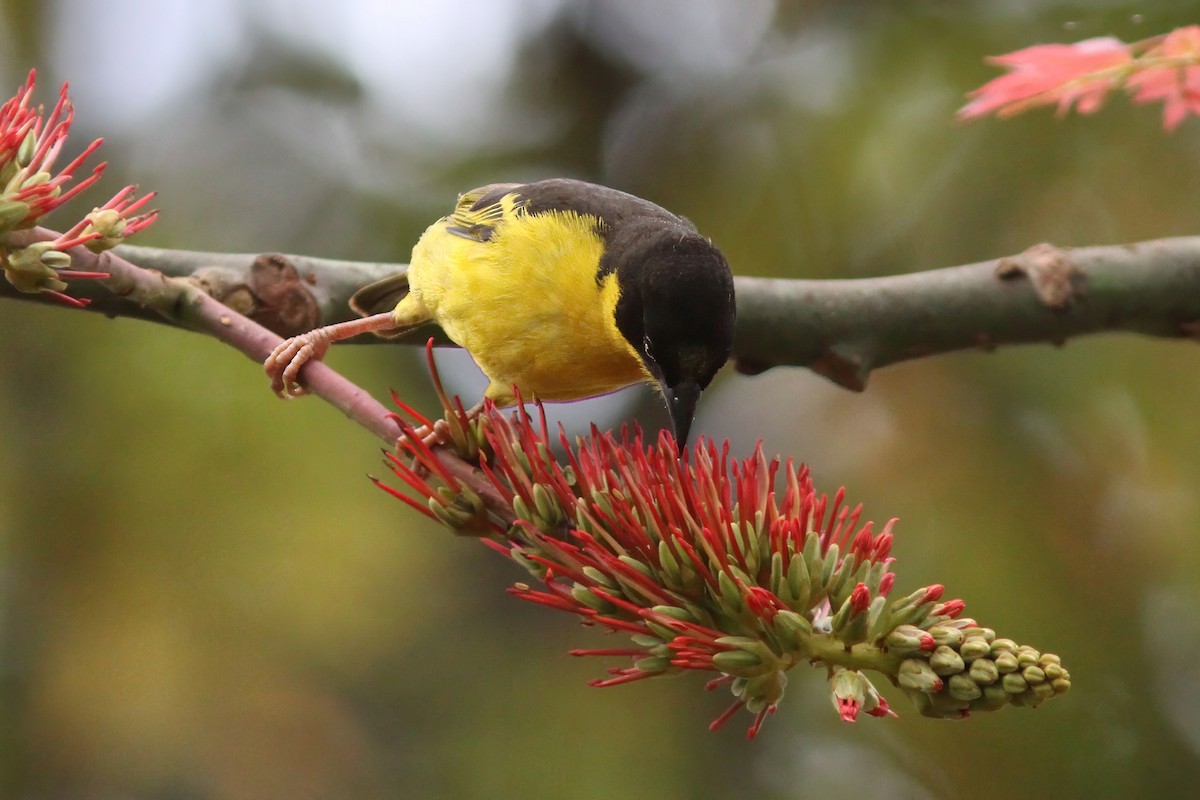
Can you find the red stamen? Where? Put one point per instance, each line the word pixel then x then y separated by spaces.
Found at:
pixel 725 715
pixel 753 730
pixel 399 495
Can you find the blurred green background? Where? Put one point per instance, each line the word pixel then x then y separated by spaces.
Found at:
pixel 201 596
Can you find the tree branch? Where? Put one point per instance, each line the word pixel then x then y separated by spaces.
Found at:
pixel 842 329
pixel 179 301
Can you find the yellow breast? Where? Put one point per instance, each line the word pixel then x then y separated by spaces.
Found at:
pixel 526 305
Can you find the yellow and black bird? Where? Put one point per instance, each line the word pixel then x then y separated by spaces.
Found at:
pixel 562 288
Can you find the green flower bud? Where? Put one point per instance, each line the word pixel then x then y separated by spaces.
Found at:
pixel 854 630
pixel 534 568
pixel 1006 663
pixel 462 511
pixel 945 661
pixel 748 540
pixel 27 149
pixel 585 596
pixel 799 582
pixel 599 578
pixel 1003 646
pixel 56 259
pixel 675 612
pixel 792 628
pixel 909 610
pixel 983 671
pixel 520 509
pixel 1053 671
pixel 916 674
pixel 451 517
pixel 548 508
pixel 1013 683
pixel 1044 691
pixel 37 179
pixel 842 581
pixel 829 566
pixel 987 634
pixel 29 269
pixel 638 566
pixel 994 698
pixel 664 632
pixel 974 648
pixel 1027 656
pixel 764 690
pixel 12 215
pixel 1033 675
pixel 946 635
pixel 841 618
pixel 1034 696
pixel 961 687
pixel 939 706
pixel 777 584
pixel 653 664
pixel 731 596
pixel 908 640
pixel 815 563
pixel 738 662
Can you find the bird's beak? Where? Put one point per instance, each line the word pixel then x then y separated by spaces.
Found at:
pixel 681 403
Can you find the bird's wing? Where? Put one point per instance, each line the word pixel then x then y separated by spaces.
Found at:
pixel 479 210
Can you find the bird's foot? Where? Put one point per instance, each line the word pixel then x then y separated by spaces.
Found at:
pixel 436 435
pixel 284 364
pixel 433 436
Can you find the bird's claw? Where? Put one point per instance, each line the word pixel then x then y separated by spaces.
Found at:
pixel 434 436
pixel 284 364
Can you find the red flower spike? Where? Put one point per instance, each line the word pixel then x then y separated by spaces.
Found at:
pixel 30 144
pixel 677 550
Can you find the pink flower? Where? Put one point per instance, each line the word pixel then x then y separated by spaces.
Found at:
pixel 1171 74
pixel 1165 68
pixel 1051 74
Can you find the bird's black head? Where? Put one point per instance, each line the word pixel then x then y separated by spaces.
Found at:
pixel 677 310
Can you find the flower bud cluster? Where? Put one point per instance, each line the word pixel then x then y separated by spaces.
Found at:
pixel 30 189
pixel 953 668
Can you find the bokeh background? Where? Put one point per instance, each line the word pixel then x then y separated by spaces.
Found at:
pixel 201 596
